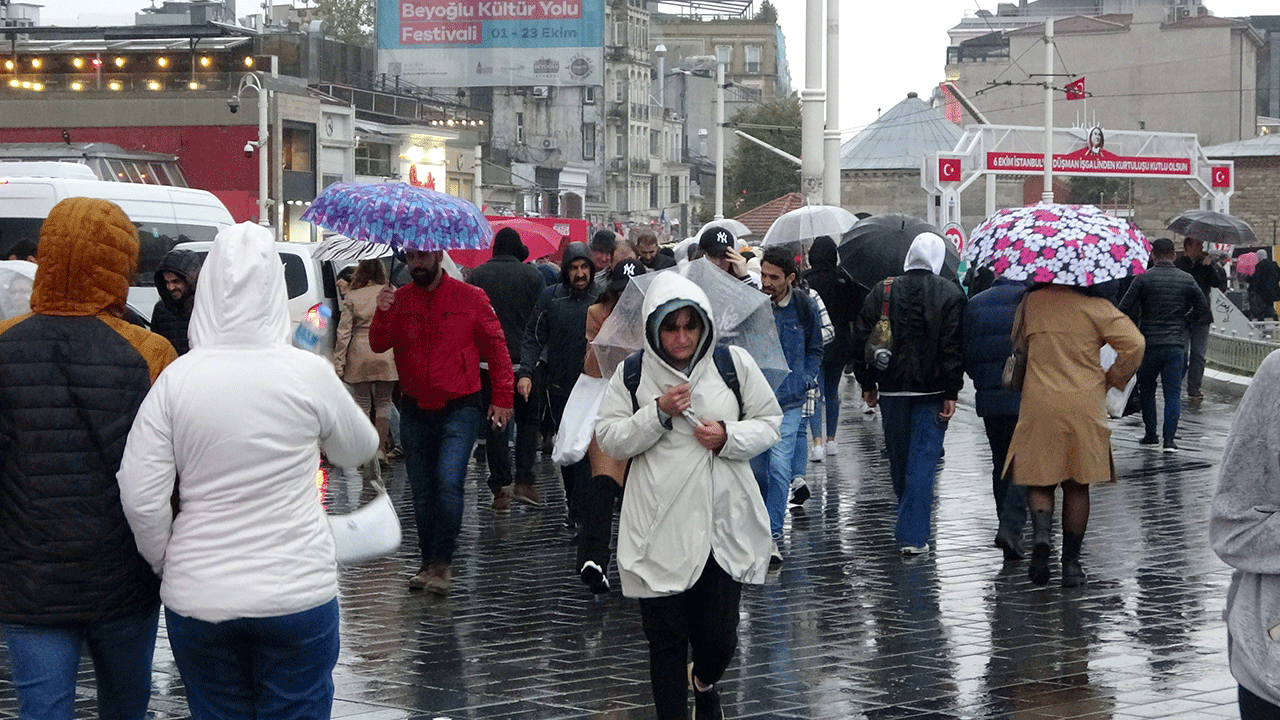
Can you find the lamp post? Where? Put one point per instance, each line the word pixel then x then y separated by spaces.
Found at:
pixel 722 58
pixel 251 81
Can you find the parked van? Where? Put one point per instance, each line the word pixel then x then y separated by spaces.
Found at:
pixel 165 215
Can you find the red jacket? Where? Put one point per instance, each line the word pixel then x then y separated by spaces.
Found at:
pixel 440 338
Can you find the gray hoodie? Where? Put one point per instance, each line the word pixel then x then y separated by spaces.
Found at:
pixel 1244 529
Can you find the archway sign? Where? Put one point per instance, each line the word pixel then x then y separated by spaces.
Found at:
pixel 991 150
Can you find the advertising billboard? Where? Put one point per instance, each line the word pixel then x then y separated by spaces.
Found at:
pixel 469 43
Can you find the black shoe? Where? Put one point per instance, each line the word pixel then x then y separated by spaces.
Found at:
pixel 1011 543
pixel 799 492
pixel 1170 445
pixel 1072 574
pixel 706 705
pixel 1038 570
pixel 1149 440
pixel 594 578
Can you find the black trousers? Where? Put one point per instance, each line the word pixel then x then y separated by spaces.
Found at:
pixel 577 475
pixel 596 499
pixel 704 618
pixel 497 443
pixel 1253 707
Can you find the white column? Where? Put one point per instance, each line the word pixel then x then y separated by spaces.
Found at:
pixel 720 137
pixel 831 139
pixel 264 213
pixel 811 106
pixel 1047 194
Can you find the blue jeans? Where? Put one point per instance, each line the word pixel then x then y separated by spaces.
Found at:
pixel 829 397
pixel 269 668
pixel 44 660
pixel 772 469
pixel 1165 363
pixel 437 448
pixel 913 433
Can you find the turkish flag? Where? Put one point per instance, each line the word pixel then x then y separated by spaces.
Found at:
pixel 949 169
pixel 1221 176
pixel 1075 90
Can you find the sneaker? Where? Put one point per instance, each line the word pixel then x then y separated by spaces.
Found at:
pixel 775 555
pixel 502 500
pixel 440 579
pixel 816 454
pixel 867 409
pixel 706 704
pixel 594 578
pixel 1170 445
pixel 527 493
pixel 1149 440
pixel 799 491
pixel 915 549
pixel 831 449
pixel 1195 394
pixel 419 581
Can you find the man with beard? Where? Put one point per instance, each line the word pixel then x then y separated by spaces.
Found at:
pixel 440 329
pixel 176 282
pixel 558 326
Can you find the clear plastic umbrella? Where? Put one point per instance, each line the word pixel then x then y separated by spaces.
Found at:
pixel 743 317
pixel 737 227
pixel 16 279
pixel 804 225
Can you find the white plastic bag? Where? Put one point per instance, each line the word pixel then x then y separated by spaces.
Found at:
pixel 578 423
pixel 1116 399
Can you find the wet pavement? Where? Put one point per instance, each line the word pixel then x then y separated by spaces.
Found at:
pixel 847 628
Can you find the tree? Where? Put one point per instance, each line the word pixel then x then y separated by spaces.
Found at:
pixel 767 14
pixel 1098 190
pixel 348 21
pixel 754 175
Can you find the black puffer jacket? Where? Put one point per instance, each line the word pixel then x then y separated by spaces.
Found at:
pixel 559 326
pixel 170 318
pixel 925 313
pixel 840 293
pixel 72 376
pixel 1164 303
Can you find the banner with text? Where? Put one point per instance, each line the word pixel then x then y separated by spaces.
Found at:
pixel 470 43
pixel 1089 161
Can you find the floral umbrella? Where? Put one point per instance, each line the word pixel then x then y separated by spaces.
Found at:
pixel 1247 263
pixel 403 216
pixel 1076 245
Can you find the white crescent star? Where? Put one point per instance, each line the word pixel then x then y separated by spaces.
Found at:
pixel 1220 175
pixel 948 170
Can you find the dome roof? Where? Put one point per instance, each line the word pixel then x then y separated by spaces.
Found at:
pixel 900 138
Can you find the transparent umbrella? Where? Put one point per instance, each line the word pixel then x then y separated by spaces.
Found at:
pixel 804 225
pixel 16 278
pixel 743 316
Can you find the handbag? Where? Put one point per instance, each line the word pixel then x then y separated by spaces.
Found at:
pixel 371 532
pixel 879 350
pixel 1015 370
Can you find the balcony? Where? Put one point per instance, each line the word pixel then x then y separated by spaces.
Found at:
pixel 617 111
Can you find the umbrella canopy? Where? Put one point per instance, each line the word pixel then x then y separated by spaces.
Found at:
pixel 542 240
pixel 876 248
pixel 737 227
pixel 743 317
pixel 1246 263
pixel 1213 227
pixel 805 224
pixel 1077 245
pixel 400 215
pixel 340 248
pixel 16 279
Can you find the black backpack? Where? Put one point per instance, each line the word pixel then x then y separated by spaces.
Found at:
pixel 720 354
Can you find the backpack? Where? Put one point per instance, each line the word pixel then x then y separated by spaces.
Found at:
pixel 720 355
pixel 879 349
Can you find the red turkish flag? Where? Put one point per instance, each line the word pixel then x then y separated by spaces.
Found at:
pixel 1075 90
pixel 1221 176
pixel 949 169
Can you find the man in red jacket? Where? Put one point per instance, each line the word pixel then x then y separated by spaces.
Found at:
pixel 440 329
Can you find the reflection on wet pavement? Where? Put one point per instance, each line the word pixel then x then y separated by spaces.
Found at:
pixel 846 629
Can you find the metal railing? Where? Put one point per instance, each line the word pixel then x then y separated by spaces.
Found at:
pixel 1241 355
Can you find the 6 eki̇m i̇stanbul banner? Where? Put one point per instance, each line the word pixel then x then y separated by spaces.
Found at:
pixel 469 43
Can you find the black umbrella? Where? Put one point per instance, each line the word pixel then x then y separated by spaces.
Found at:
pixel 1213 227
pixel 876 248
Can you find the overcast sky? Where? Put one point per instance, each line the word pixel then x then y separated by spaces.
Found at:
pixel 888 48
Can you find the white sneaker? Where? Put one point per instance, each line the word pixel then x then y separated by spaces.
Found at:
pixel 831 448
pixel 816 454
pixel 915 549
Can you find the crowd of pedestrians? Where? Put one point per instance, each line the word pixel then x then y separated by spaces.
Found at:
pixel 183 498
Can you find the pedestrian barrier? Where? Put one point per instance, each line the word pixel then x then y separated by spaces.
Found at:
pixel 1238 354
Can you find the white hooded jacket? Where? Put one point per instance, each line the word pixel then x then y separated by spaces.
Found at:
pixel 683 502
pixel 239 422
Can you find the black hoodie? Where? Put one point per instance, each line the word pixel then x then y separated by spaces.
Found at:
pixel 170 317
pixel 559 326
pixel 841 294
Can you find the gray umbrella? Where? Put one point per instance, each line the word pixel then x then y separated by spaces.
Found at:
pixel 1213 227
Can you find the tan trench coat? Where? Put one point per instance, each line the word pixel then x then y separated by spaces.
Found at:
pixel 354 360
pixel 1062 431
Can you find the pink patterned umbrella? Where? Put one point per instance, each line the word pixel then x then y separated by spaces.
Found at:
pixel 1076 245
pixel 1246 263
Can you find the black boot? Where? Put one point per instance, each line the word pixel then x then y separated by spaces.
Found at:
pixel 1072 574
pixel 1042 524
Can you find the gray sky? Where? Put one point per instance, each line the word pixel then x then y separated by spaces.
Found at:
pixel 887 48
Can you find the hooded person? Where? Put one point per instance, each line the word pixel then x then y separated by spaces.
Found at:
pixel 234 431
pixel 693 526
pixel 557 328
pixel 175 280
pixel 72 376
pixel 917 389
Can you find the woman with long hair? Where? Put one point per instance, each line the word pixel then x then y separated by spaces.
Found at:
pixel 371 375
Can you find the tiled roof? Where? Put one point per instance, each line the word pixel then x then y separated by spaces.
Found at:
pixel 1260 146
pixel 900 138
pixel 761 217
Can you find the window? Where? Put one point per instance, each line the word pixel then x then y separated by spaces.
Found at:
pixel 655 144
pixel 589 95
pixel 619 89
pixel 520 128
pixel 675 189
pixel 373 159
pixel 297 149
pixel 621 144
pixel 588 141
pixel 653 191
pixel 753 58
pixel 724 54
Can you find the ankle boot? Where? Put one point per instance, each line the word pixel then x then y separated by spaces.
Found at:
pixel 1072 574
pixel 1042 524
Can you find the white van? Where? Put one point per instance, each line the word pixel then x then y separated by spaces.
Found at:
pixel 165 215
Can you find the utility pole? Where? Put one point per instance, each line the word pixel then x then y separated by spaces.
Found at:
pixel 812 98
pixel 1047 195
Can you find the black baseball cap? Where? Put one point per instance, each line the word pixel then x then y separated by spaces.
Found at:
pixel 716 241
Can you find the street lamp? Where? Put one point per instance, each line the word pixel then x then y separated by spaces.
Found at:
pixel 252 81
pixel 723 56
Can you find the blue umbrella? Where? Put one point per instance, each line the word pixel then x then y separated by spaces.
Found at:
pixel 403 216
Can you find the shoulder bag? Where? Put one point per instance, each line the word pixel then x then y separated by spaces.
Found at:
pixel 369 533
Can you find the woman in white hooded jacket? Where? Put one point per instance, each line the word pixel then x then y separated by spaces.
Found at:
pixel 247 569
pixel 693 526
